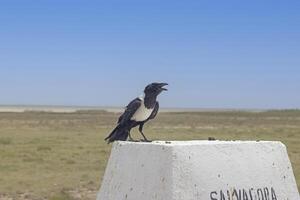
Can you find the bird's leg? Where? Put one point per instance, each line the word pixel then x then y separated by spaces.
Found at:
pixel 141 131
pixel 131 139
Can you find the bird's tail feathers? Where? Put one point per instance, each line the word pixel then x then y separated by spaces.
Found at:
pixel 119 133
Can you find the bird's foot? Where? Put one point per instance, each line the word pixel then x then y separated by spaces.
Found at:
pixel 132 140
pixel 146 140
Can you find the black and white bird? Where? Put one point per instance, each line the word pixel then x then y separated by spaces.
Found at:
pixel 137 113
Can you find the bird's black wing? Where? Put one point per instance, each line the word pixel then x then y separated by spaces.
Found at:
pixel 131 108
pixel 155 111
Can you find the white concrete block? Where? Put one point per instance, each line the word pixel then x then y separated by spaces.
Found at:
pixel 199 170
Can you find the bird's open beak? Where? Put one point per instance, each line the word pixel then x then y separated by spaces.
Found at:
pixel 161 85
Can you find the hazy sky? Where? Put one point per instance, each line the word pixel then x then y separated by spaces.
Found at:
pixel 214 54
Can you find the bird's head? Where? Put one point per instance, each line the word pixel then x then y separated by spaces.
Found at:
pixel 155 88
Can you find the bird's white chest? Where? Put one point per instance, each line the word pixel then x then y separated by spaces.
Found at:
pixel 142 113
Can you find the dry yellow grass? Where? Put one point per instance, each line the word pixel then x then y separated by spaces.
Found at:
pixel 62 156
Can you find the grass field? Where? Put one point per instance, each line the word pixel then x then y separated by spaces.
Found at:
pixel 62 156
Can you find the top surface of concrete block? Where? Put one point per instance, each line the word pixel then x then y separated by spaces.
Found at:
pixel 199 170
pixel 198 142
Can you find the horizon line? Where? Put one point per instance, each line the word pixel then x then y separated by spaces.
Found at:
pixel 98 107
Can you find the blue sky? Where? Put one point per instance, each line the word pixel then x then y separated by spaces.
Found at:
pixel 214 54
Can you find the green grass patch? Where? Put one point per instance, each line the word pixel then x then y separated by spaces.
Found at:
pixel 61 196
pixel 5 141
pixel 44 148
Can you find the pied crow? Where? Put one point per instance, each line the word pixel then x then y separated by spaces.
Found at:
pixel 137 113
